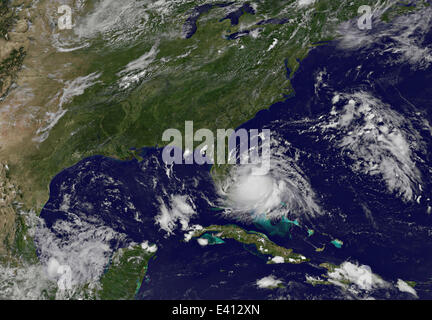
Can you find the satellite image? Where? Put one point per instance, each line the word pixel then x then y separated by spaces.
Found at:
pixel 215 150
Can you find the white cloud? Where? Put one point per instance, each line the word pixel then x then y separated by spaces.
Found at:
pixel 359 275
pixel 137 69
pixel 114 21
pixel 27 282
pixel 304 3
pixel 284 189
pixel 192 229
pixel 274 43
pixel 180 209
pixel 278 259
pixel 268 282
pixel 404 36
pixel 79 257
pixel 72 89
pixel 66 263
pixel 150 248
pixel 202 242
pixel 405 287
pixel 378 139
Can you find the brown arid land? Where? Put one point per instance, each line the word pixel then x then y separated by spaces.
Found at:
pixel 30 95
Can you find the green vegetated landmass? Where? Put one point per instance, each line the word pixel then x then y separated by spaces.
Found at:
pixel 213 81
pixel 20 248
pixel 278 286
pixel 10 66
pixel 6 18
pixel 329 266
pixel 326 280
pixel 316 282
pixel 12 63
pixel 320 281
pixel 125 274
pixel 260 240
pixel 23 246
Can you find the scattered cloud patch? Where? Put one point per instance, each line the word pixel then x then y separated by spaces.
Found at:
pixel 274 43
pixel 278 259
pixel 305 3
pixel 180 209
pixel 202 242
pixel 246 196
pixel 405 287
pixel 269 282
pixel 192 229
pixel 378 139
pixel 72 89
pixel 359 275
pixel 404 37
pixel 150 248
pixel 137 69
